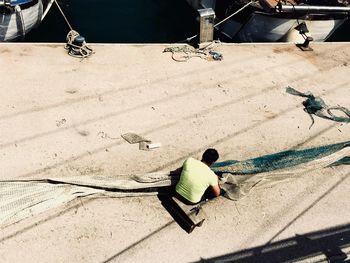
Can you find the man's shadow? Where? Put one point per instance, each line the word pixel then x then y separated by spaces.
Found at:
pixel 165 196
pixel 171 207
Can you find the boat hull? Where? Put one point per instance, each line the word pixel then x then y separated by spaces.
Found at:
pixel 266 28
pixel 259 26
pixel 16 25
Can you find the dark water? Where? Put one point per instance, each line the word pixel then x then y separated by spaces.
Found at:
pixel 129 21
pixel 119 21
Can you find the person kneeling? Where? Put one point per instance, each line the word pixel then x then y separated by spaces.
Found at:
pixel 197 181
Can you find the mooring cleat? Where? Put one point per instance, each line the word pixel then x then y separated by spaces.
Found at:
pixel 305 46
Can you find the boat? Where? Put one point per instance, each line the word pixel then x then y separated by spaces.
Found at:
pixel 19 17
pixel 276 20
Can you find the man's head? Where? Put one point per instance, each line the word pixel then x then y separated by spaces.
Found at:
pixel 210 156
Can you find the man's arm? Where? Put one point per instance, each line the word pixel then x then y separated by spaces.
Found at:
pixel 216 190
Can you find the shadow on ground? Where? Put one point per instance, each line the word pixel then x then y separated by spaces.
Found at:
pixel 169 206
pixel 328 242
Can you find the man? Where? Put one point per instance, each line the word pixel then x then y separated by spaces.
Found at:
pixel 197 178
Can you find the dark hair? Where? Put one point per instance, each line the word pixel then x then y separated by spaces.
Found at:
pixel 210 156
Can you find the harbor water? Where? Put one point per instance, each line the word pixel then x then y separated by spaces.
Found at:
pixel 125 21
pixel 119 21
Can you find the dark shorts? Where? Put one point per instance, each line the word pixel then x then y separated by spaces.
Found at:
pixel 183 199
pixel 207 195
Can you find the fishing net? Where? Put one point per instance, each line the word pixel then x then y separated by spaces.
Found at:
pixel 316 106
pixel 22 198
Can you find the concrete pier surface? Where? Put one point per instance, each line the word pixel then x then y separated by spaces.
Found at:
pixel 62 116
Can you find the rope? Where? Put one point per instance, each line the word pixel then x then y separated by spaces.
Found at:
pixel 316 106
pixel 222 21
pixel 206 53
pixel 235 13
pixel 75 50
pixel 64 16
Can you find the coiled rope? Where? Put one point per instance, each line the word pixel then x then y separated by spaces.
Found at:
pixel 75 48
pixel 189 52
pixel 203 53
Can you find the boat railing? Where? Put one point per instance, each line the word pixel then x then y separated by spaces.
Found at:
pixel 14 2
pixel 311 9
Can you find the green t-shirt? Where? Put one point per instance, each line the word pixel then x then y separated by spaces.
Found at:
pixel 195 178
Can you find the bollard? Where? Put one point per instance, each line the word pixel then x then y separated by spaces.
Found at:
pixel 206 25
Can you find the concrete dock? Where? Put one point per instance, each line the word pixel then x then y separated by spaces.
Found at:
pixel 62 116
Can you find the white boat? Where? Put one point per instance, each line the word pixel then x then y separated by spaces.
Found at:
pixel 18 17
pixel 277 20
